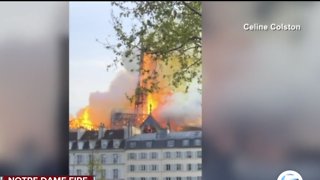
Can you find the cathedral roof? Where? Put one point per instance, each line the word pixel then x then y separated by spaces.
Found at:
pixel 150 121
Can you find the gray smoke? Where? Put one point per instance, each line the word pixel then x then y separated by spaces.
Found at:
pixel 183 108
pixel 102 103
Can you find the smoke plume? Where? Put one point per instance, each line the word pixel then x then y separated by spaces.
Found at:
pixel 167 104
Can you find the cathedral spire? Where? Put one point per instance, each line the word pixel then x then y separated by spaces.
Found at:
pixel 150 108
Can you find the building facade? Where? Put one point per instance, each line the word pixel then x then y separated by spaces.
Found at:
pixel 117 155
pixel 99 153
pixel 168 156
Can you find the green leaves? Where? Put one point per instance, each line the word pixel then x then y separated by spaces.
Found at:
pixel 164 29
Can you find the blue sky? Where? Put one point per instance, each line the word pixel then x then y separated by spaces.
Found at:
pixel 88 59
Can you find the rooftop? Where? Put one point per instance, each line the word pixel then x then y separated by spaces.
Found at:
pixel 172 135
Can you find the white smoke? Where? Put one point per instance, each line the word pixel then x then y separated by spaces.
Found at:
pixel 102 103
pixel 183 108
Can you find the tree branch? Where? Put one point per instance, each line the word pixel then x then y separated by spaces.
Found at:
pixel 191 8
pixel 188 67
pixel 179 47
pixel 193 47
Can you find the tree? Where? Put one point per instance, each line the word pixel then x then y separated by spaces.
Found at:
pixel 95 167
pixel 170 31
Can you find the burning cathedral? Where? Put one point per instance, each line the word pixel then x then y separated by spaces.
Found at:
pixel 141 120
pixel 148 108
pixel 135 145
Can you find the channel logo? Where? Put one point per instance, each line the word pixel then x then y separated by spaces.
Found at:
pixel 289 175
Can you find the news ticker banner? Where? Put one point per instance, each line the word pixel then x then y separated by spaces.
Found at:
pixel 47 178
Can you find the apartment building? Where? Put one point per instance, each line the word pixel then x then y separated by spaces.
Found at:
pixel 154 154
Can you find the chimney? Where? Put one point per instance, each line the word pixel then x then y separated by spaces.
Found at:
pixel 126 132
pixel 129 128
pixel 101 131
pixel 80 132
pixel 168 127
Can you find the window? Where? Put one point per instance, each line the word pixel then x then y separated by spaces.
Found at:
pixel 154 155
pixel 115 173
pixel 167 155
pixel 154 167
pixel 104 144
pixel 131 168
pixel 79 159
pixel 132 156
pixel 199 154
pixel 197 142
pixel 90 157
pixel 104 173
pixel 199 178
pixel 153 178
pixel 178 154
pixel 179 178
pixel 185 142
pixel 168 167
pixel 199 167
pixel 189 178
pixel 189 154
pixel 189 167
pixel 178 167
pixel 133 144
pixel 149 144
pixel 170 143
pixel 131 178
pixel 143 178
pixel 143 155
pixel 79 173
pixel 168 178
pixel 143 167
pixel 116 144
pixel 103 159
pixel 115 158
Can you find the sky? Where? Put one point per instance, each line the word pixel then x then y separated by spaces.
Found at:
pixel 88 58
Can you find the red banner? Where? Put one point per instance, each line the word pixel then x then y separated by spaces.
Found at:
pixel 48 178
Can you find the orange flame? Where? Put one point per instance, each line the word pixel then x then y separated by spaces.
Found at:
pixel 153 102
pixel 148 68
pixel 82 121
pixel 153 99
pixel 156 100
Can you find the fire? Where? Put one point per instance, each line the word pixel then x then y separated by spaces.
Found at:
pixel 146 102
pixel 156 98
pixel 83 120
pixel 152 103
pixel 148 67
